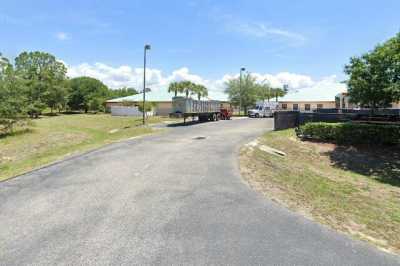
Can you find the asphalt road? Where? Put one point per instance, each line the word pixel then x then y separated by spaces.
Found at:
pixel 171 198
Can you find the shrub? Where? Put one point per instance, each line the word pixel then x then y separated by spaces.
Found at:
pixel 96 104
pixel 351 133
pixel 149 106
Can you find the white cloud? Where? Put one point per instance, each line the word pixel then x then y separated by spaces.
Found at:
pixel 302 87
pixel 323 90
pixel 117 77
pixel 294 81
pixel 256 29
pixel 262 30
pixel 62 36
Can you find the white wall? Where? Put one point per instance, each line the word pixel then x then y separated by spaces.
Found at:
pixel 127 111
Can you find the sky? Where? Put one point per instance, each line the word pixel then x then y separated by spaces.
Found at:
pixel 304 44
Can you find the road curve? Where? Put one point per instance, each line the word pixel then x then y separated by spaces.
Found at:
pixel 170 198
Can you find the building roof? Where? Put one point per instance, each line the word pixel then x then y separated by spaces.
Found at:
pixel 309 95
pixel 320 92
pixel 150 96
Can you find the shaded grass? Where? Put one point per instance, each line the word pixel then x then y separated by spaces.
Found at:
pixel 52 138
pixel 310 180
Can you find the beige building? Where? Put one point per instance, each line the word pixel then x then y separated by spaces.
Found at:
pixel 305 106
pixel 342 101
pixel 162 105
pixel 320 96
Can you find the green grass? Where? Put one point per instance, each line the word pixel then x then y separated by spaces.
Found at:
pixel 343 187
pixel 52 138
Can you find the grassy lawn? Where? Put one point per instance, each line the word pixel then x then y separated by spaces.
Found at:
pixel 51 138
pixel 355 190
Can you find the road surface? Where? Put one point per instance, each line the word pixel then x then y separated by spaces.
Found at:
pixel 170 198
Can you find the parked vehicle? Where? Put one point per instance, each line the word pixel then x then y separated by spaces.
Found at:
pixel 226 113
pixel 264 109
pixel 204 110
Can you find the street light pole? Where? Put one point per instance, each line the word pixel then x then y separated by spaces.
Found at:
pixel 146 47
pixel 240 89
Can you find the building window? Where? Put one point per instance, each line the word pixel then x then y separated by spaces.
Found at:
pixel 295 107
pixel 320 106
pixel 307 107
pixel 343 103
pixel 284 106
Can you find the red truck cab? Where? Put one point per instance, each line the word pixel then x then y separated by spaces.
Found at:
pixel 226 113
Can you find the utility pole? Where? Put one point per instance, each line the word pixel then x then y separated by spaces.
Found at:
pixel 240 89
pixel 146 47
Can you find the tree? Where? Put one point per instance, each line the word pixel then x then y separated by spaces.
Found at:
pixel 278 92
pixel 96 104
pixel 187 87
pixel 13 102
pixel 175 87
pixel 56 96
pixel 265 92
pixel 122 92
pixel 149 106
pixel 200 91
pixel 85 92
pixel 247 95
pixel 374 77
pixel 44 76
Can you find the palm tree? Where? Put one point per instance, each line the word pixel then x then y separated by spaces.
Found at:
pixel 265 92
pixel 175 87
pixel 279 92
pixel 201 91
pixel 188 87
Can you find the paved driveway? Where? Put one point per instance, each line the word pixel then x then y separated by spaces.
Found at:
pixel 173 198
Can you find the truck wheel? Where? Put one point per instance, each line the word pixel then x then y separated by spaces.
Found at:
pixel 218 117
pixel 214 117
pixel 257 115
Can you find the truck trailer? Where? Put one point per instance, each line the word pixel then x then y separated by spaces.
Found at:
pixel 183 107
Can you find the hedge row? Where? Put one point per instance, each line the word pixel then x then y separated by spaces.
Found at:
pixel 351 133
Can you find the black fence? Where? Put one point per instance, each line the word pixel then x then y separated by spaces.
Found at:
pixel 377 112
pixel 292 119
pixel 284 120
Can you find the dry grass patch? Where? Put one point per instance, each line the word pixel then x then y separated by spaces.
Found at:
pixel 355 190
pixel 52 138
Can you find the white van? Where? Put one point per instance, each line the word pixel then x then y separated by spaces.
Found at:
pixel 263 109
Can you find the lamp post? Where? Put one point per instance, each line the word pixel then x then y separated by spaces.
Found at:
pixel 240 89
pixel 146 47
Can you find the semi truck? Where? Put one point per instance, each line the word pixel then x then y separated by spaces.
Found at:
pixel 183 107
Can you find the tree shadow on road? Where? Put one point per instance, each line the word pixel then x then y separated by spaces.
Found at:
pixel 182 124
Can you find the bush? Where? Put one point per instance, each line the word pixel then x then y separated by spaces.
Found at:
pixel 351 133
pixel 96 104
pixel 35 109
pixel 149 106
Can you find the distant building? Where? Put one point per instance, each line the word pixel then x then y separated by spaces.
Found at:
pixel 305 106
pixel 342 101
pixel 319 96
pixel 162 103
pixel 306 101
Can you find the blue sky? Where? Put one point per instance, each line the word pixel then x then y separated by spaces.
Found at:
pixel 303 43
